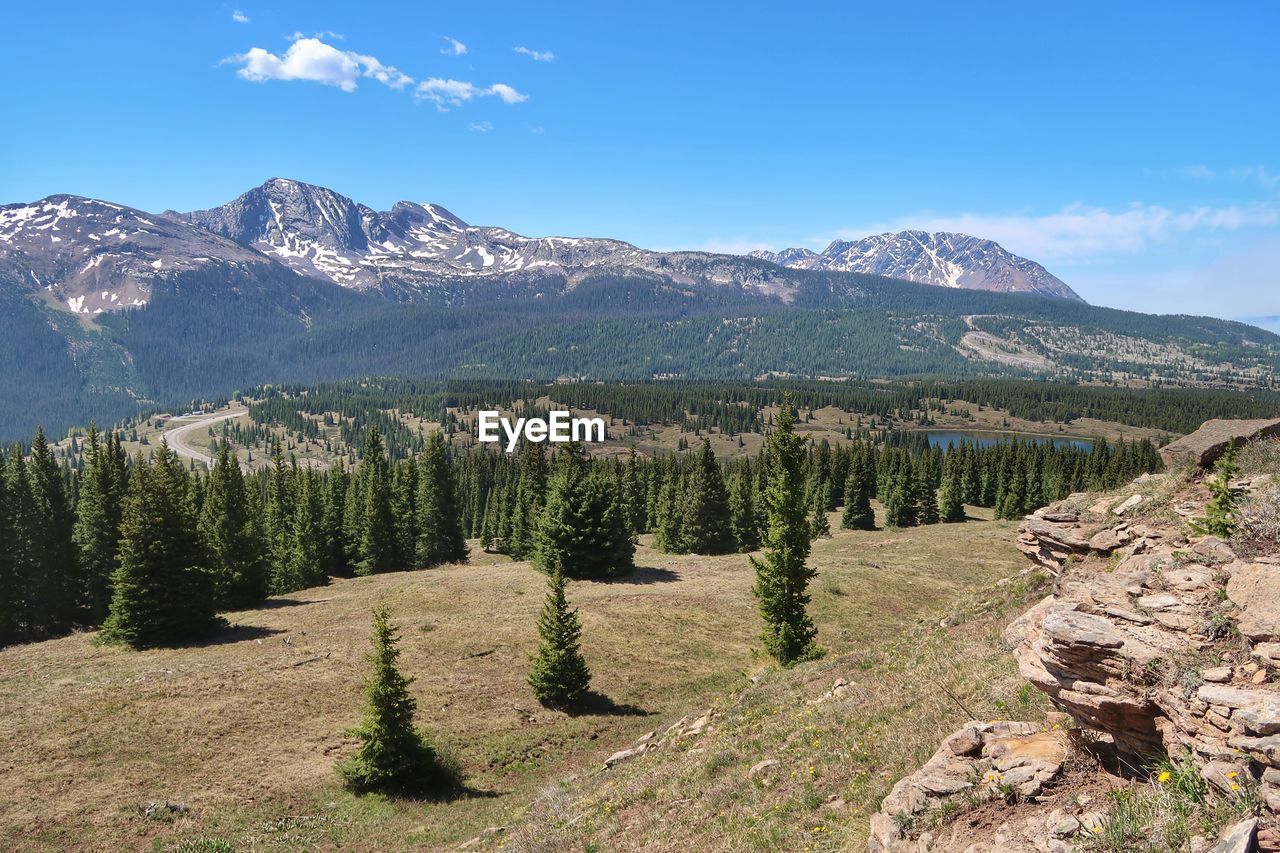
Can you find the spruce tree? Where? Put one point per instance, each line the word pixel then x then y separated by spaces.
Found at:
pixel 952 497
pixel 559 675
pixel 97 529
pixel 10 583
pixel 307 563
pixel 742 512
pixel 235 545
pixel 394 756
pixel 279 518
pixel 858 514
pixel 580 530
pixel 162 594
pixel 440 537
pixel 57 588
pixel 819 524
pixel 378 544
pixel 666 526
pixel 706 527
pixel 1220 512
pixel 782 578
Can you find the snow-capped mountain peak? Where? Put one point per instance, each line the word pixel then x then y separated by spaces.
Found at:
pixel 942 258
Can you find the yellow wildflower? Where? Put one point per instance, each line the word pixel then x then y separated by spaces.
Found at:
pixel 1163 777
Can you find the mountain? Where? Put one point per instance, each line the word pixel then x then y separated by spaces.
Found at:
pixel 942 258
pixel 421 251
pixel 92 256
pixel 105 309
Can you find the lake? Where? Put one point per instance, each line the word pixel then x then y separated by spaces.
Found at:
pixel 943 437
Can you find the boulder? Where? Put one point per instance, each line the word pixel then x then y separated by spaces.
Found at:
pixel 1205 445
pixel 1128 504
pixel 1237 838
pixel 1255 589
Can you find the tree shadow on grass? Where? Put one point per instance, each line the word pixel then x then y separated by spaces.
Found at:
pixel 643 575
pixel 277 603
pixel 237 634
pixel 594 703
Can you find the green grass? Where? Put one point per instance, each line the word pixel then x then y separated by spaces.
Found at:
pixel 247 731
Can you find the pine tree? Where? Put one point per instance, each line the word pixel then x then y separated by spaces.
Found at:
pixel 706 527
pixel 742 512
pixel 378 544
pixel 440 538
pixel 1220 512
pixel 952 499
pixel 57 590
pixel 782 578
pixel 161 591
pixel 634 495
pixel 580 530
pixel 97 529
pixel 394 756
pixel 10 583
pixel 666 526
pixel 307 562
pixel 858 514
pixel 559 675
pixel 819 524
pixel 235 545
pixel 279 519
pixel 926 497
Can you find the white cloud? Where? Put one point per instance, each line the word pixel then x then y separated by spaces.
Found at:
pixel 239 17
pixel 506 93
pixel 536 55
pixel 454 93
pixel 1081 231
pixel 481 127
pixel 312 60
pixel 453 47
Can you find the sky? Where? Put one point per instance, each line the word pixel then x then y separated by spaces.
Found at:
pixel 1133 149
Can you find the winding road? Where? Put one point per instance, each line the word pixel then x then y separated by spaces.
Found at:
pixel 178 435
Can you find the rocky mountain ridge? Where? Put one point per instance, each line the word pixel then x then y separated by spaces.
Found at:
pixel 95 256
pixel 943 258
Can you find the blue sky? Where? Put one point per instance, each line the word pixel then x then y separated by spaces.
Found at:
pixel 1134 149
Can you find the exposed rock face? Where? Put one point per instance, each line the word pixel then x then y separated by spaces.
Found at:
pixel 1205 445
pixel 997 758
pixel 1160 641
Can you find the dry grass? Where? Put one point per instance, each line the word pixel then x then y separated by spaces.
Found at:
pixel 851 749
pixel 246 730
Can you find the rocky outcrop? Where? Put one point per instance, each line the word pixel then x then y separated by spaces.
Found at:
pixel 1205 445
pixel 1005 759
pixel 1157 640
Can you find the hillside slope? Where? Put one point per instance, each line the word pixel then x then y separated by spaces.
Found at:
pixel 245 731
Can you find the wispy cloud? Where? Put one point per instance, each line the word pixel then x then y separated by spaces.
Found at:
pixel 1264 177
pixel 1080 232
pixel 536 55
pixel 453 47
pixel 446 94
pixel 481 127
pixel 239 17
pixel 312 60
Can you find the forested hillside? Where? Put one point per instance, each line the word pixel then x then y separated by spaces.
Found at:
pixel 211 331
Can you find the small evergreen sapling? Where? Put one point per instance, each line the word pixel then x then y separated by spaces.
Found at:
pixel 559 676
pixel 393 756
pixel 1220 513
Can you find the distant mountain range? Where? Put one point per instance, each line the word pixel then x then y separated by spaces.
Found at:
pixel 105 309
pixel 944 259
pixel 95 256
